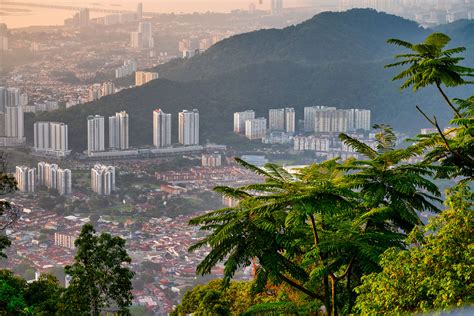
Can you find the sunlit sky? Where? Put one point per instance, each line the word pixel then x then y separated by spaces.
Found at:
pixel 27 16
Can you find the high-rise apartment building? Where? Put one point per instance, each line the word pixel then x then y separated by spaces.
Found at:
pixel 256 128
pixel 107 89
pixel 161 129
pixel 290 120
pixel 9 97
pixel 323 119
pixel 276 119
pixel 144 37
pixel 51 138
pixel 118 131
pixel 103 179
pixel 95 133
pixel 14 122
pixel 240 118
pixel 142 77
pixel 139 11
pixel 53 177
pixel 211 160
pixel 26 179
pixel 64 181
pixel 362 119
pixel 188 127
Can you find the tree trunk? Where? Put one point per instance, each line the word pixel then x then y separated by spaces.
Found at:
pixel 327 300
pixel 333 295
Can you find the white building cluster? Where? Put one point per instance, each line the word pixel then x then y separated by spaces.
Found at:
pixel 211 160
pixel 51 138
pixel 322 119
pixel 103 179
pixel 118 131
pixel 47 175
pixel 143 38
pixel 127 69
pixel 53 177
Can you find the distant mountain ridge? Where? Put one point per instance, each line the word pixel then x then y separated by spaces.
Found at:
pixel 332 59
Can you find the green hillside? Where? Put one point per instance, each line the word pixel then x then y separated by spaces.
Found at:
pixel 307 64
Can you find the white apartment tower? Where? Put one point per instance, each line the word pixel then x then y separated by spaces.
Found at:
pixel 290 120
pixel 362 119
pixel 240 118
pixel 26 179
pixel 64 181
pixel 14 122
pixel 118 131
pixel 188 128
pixel 161 129
pixel 95 133
pixel 256 128
pixel 51 138
pixel 145 28
pixel 276 119
pixel 103 179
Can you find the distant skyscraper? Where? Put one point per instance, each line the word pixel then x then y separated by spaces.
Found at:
pixel 14 122
pixel 145 28
pixel 9 97
pixel 240 118
pixel 128 68
pixel 26 179
pixel 142 77
pixel 362 119
pixel 276 118
pixel 139 11
pixel 188 129
pixel 107 89
pixel 103 179
pixel 290 120
pixel 256 128
pixel 118 131
pixel 95 133
pixel 136 40
pixel 52 138
pixel 161 129
pixel 3 43
pixel 64 181
pixel 276 6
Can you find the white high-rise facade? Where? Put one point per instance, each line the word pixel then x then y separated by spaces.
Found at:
pixel 321 119
pixel 26 179
pixel 107 89
pixel 103 179
pixel 64 181
pixel 276 119
pixel 256 128
pixel 145 28
pixel 290 120
pixel 51 138
pixel 118 131
pixel 95 133
pixel 161 129
pixel 240 118
pixel 9 97
pixel 362 119
pixel 188 129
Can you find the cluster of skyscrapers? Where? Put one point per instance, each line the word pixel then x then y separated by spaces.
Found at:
pixel 12 127
pixel 143 38
pixel 103 179
pixel 188 128
pixel 322 119
pixel 127 69
pixel 281 120
pixel 118 132
pixel 46 175
pixel 142 77
pixel 317 119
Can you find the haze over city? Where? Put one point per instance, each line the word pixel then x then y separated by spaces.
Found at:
pixel 235 157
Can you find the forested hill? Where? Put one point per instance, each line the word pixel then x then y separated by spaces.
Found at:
pixel 357 35
pixel 333 59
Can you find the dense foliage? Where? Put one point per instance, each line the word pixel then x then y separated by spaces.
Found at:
pixel 17 297
pixel 334 226
pixel 435 273
pixel 296 66
pixel 100 276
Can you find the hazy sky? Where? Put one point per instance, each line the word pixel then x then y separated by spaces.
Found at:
pixel 27 16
